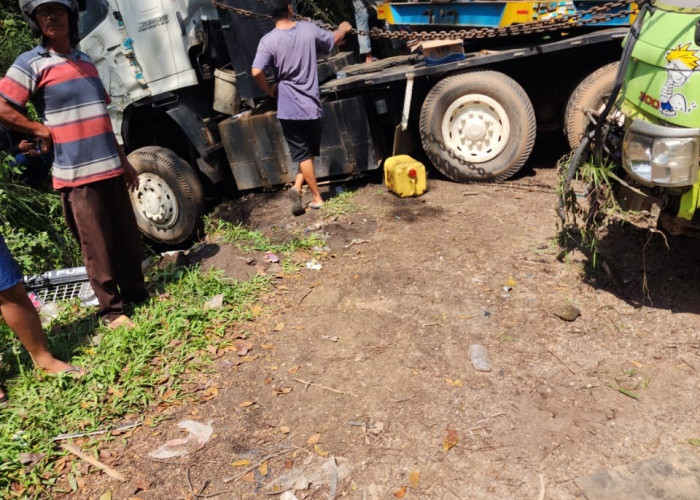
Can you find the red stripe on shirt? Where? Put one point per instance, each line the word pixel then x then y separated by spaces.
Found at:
pixel 82 129
pixel 17 93
pixel 67 71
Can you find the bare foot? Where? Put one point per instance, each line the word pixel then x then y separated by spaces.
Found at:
pixel 52 366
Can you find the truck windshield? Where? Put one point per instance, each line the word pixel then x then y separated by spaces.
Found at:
pixel 91 15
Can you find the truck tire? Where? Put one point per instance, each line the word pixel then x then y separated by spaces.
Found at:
pixel 477 126
pixel 169 201
pixel 590 95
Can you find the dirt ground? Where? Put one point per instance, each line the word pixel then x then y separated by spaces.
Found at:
pixel 363 386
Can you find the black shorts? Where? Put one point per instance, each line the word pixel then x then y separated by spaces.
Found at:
pixel 303 138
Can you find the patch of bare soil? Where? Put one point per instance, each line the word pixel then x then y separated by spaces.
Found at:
pixel 363 386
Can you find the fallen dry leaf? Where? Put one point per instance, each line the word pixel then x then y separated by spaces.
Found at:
pixel 256 311
pixel 117 393
pixel 319 451
pixel 17 488
pixel 241 463
pixel 283 390
pixel 107 495
pixel 61 463
pixel 242 347
pixel 142 484
pixel 450 440
pixel 454 383
pixel 294 369
pixel 262 468
pixel 314 439
pixel 285 430
pixel 401 492
pixel 279 327
pixel 249 478
pixel 268 346
pixel 246 404
pixel 169 394
pixel 211 392
pixel 413 478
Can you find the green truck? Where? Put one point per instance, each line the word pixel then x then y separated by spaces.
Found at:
pixel 651 126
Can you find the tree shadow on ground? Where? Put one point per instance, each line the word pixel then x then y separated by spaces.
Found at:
pixel 646 268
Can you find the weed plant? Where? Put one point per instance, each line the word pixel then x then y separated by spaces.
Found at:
pixel 585 221
pixel 129 371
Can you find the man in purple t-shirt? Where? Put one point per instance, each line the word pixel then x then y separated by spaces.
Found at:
pixel 291 49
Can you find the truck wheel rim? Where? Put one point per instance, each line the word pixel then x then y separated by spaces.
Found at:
pixel 156 201
pixel 476 127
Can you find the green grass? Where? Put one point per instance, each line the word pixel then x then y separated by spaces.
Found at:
pixel 341 204
pixel 129 371
pixel 253 241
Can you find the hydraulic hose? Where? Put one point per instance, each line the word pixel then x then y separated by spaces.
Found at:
pixel 571 171
pixel 636 28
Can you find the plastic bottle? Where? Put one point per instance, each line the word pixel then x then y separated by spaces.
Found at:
pixel 480 358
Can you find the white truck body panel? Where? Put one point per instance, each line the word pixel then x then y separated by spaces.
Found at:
pixel 147 55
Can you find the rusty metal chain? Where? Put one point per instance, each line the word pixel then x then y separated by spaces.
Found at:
pixel 598 14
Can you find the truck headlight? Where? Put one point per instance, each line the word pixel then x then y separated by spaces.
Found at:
pixel 661 155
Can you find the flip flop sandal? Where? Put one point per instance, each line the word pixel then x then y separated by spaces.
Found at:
pixel 73 372
pixel 316 205
pixel 295 198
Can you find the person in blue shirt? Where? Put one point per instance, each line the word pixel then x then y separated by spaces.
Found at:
pixel 291 49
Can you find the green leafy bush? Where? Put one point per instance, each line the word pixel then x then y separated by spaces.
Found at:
pixel 31 221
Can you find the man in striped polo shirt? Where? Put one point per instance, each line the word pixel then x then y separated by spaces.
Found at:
pixel 90 169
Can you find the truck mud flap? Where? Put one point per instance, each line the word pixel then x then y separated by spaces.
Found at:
pixel 259 156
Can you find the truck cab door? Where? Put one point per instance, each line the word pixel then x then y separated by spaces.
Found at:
pixel 102 38
pixel 163 32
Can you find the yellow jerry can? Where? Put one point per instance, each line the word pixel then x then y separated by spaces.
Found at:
pixel 405 176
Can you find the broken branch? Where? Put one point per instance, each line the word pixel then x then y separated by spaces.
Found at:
pixel 114 474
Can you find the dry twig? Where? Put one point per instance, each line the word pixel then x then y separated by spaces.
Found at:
pixel 114 474
pixel 307 383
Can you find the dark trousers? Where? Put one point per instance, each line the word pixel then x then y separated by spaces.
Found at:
pixel 100 217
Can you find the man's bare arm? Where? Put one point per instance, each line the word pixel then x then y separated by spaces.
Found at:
pixel 11 118
pixel 343 29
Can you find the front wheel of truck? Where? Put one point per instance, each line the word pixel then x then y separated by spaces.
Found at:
pixel 477 126
pixel 169 201
pixel 587 102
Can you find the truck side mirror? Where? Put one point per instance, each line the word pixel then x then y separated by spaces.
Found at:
pixel 82 5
